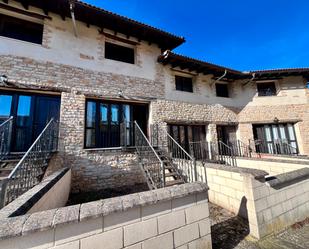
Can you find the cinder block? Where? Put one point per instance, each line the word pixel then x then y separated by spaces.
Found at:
pixel 202 243
pixel 202 198
pixel 164 241
pixel 171 221
pixel 136 246
pixel 224 173
pixel 108 240
pixel 160 208
pixel 71 245
pixel 140 231
pixel 71 232
pixel 204 227
pixel 184 202
pixel 228 191
pixel 39 240
pixel 186 234
pixel 119 219
pixel 197 213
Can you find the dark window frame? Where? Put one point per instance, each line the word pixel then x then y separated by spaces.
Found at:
pixel 112 142
pixel 25 30
pixel 113 51
pixel 184 84
pixel 263 91
pixel 222 93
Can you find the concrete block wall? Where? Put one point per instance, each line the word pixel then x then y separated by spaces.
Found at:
pixel 52 192
pixel 277 207
pixel 272 166
pixel 174 217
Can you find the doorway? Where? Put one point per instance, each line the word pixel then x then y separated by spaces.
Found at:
pixel 31 113
pixel 226 133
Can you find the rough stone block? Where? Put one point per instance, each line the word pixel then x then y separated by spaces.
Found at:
pixel 171 221
pixel 140 231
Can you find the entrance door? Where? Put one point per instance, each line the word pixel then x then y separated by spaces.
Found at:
pixel 226 133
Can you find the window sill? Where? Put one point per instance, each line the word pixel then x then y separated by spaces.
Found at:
pixel 103 149
pixel 21 41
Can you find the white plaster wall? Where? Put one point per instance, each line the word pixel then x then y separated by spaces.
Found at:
pixel 65 48
pixel 291 90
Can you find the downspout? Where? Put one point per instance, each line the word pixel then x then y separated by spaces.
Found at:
pixel 220 78
pixel 249 81
pixel 72 6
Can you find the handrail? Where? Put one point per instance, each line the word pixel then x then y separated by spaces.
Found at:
pixel 147 141
pixel 180 146
pixel 31 168
pixel 6 121
pixel 5 137
pixel 30 149
pixel 151 163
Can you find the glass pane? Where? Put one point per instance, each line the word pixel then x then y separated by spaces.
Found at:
pixel 282 132
pixel 291 132
pixel 104 113
pixel 91 110
pixel 268 134
pixel 90 138
pixel 115 114
pixel 5 106
pixel 275 132
pixel 23 111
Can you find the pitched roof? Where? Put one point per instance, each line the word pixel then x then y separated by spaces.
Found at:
pixel 92 15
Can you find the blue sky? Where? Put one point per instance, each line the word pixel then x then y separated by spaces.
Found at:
pixel 241 34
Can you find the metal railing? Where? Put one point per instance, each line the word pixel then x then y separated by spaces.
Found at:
pixel 127 134
pixel 277 147
pixel 226 154
pixel 31 168
pixel 240 149
pixel 150 161
pixel 5 137
pixel 182 161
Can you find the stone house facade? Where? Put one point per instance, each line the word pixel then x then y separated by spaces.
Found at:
pixel 75 69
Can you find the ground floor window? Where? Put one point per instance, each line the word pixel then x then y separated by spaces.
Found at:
pixel 275 138
pixel 108 123
pixel 187 135
pixel 30 112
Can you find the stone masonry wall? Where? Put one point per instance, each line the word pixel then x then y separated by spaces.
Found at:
pixel 285 113
pixel 91 169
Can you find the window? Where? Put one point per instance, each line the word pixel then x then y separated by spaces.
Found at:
pixel 266 89
pixel 184 84
pixel 222 90
pixel 104 123
pixel 20 29
pixel 119 53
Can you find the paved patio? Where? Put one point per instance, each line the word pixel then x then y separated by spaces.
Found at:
pixel 231 232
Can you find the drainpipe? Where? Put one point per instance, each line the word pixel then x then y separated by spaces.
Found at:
pixel 220 78
pixel 72 6
pixel 249 81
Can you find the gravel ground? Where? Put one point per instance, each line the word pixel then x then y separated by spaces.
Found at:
pixel 231 232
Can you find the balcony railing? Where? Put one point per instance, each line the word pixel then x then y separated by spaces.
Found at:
pixel 277 147
pixel 5 137
pixel 31 168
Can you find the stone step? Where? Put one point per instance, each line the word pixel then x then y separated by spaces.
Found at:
pixel 175 182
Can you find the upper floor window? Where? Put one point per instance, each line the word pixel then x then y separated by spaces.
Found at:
pixel 21 29
pixel 184 84
pixel 119 53
pixel 222 90
pixel 266 89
